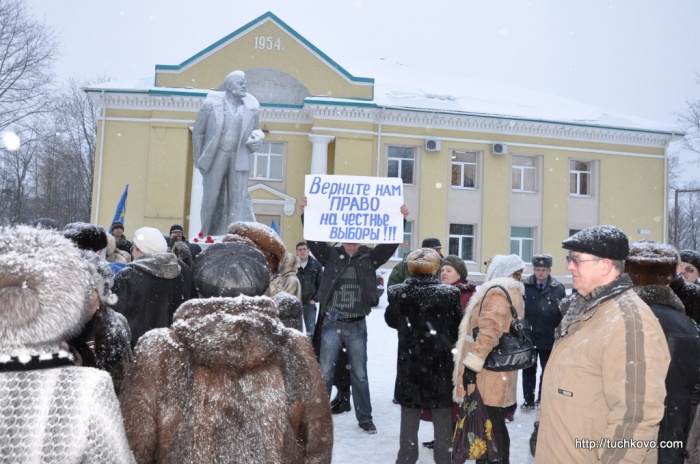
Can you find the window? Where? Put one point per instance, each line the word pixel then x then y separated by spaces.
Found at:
pixel 524 174
pixel 461 241
pixel 405 247
pixel 580 177
pixel 270 220
pixel 401 162
pixel 268 162
pixel 464 164
pixel 522 242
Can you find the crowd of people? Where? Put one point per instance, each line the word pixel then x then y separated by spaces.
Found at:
pixel 229 354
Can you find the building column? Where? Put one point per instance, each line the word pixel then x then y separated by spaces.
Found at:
pixel 319 153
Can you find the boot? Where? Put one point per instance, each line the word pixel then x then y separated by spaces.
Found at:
pixel 343 404
pixel 335 400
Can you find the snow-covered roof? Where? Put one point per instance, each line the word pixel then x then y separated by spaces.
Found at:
pixel 399 86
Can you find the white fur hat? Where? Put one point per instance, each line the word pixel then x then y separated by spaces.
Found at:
pixel 100 277
pixel 43 289
pixel 504 266
pixel 150 240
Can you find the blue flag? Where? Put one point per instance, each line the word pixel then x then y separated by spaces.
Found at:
pixel 121 208
pixel 273 226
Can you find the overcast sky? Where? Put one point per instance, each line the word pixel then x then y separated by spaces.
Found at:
pixel 640 57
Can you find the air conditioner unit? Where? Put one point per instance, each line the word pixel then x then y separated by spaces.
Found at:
pixel 499 149
pixel 432 145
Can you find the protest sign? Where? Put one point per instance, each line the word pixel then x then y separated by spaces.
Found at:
pixel 355 209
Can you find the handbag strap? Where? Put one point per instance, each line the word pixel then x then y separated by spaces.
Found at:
pixel 512 309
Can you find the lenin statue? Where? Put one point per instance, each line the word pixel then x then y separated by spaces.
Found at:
pixel 225 134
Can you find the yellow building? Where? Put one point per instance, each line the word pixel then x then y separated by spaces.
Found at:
pixel 486 170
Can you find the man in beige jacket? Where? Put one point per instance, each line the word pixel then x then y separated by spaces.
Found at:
pixel 603 391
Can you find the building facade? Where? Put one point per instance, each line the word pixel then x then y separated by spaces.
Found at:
pixel 484 177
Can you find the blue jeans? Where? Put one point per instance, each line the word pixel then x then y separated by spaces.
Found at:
pixel 353 336
pixel 309 316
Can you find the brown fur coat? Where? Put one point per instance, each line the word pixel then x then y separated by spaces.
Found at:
pixel 227 383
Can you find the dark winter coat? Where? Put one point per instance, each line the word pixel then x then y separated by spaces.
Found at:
pixel 150 289
pixel 195 249
pixel 426 315
pixel 310 278
pixel 227 383
pixel 466 289
pixel 109 331
pixel 366 261
pixel 124 245
pixel 689 294
pixel 683 337
pixel 542 310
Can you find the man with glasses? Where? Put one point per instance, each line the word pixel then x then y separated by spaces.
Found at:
pixel 689 265
pixel 604 387
pixel 542 296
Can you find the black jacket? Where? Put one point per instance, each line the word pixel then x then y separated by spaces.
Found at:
pixel 310 278
pixel 542 310
pixel 123 245
pixel 366 262
pixel 683 338
pixel 426 314
pixel 150 289
pixel 689 295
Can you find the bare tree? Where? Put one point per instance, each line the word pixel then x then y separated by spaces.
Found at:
pixel 27 51
pixel 17 169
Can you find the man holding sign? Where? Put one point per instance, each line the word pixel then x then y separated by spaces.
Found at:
pixel 348 285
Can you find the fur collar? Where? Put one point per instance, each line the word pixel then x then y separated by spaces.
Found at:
pixel 163 265
pixel 659 294
pixel 505 282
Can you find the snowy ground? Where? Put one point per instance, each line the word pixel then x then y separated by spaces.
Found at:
pixel 353 446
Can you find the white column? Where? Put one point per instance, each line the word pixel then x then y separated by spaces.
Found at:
pixel 319 153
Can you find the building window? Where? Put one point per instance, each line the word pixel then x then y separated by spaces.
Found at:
pixel 461 241
pixel 464 169
pixel 522 242
pixel 268 162
pixel 401 163
pixel 524 174
pixel 271 220
pixel 405 247
pixel 580 177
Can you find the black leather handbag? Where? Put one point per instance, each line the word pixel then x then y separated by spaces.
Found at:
pixel 515 350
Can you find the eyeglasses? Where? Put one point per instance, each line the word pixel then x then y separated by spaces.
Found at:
pixel 690 269
pixel 576 261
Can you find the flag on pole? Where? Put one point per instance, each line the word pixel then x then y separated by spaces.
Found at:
pixel 273 226
pixel 121 208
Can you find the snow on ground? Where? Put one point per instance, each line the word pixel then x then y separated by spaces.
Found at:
pixel 351 445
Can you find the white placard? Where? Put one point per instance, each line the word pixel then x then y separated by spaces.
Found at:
pixel 354 209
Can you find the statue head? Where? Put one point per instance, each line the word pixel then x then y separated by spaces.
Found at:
pixel 236 85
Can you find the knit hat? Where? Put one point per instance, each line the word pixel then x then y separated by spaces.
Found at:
pixel 116 224
pixel 542 261
pixel 423 261
pixel 100 277
pixel 230 269
pixel 652 263
pixel 504 266
pixel 86 236
pixel 176 228
pixel 44 290
pixel 691 257
pixel 261 237
pixel 431 243
pixel 458 264
pixel 45 223
pixel 602 241
pixel 150 240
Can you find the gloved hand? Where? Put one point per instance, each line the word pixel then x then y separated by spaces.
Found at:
pixel 468 377
pixel 533 439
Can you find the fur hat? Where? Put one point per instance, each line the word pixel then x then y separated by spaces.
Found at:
pixel 458 264
pixel 423 261
pixel 150 240
pixel 431 243
pixel 691 257
pixel 652 263
pixel 602 241
pixel 542 261
pixel 43 289
pixel 86 236
pixel 504 266
pixel 100 277
pixel 230 269
pixel 261 237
